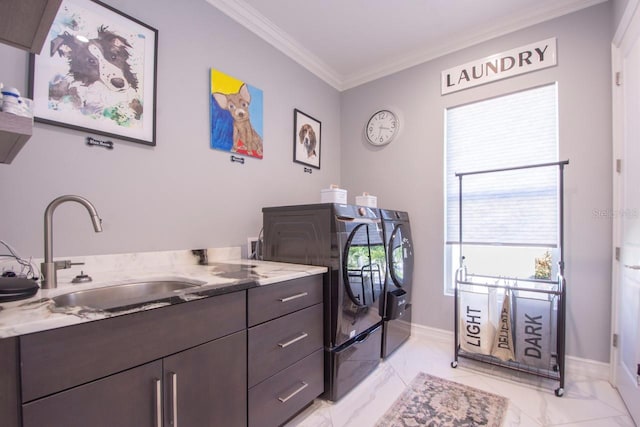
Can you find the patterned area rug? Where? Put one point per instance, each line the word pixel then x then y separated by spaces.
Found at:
pixel 436 402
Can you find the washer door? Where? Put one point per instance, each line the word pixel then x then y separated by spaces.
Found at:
pixel 400 256
pixel 364 264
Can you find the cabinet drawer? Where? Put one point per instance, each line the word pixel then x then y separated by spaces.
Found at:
pixel 281 342
pixel 66 357
pixel 271 301
pixel 277 399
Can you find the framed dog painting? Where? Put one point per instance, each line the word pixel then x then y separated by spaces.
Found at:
pixel 236 115
pixel 97 73
pixel 306 139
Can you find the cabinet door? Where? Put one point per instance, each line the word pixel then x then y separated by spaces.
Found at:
pixel 207 385
pixel 9 383
pixel 128 399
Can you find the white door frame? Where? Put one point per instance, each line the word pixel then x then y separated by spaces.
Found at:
pixel 617 139
pixel 624 32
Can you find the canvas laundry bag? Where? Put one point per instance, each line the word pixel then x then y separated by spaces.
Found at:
pixel 503 342
pixel 477 331
pixel 533 331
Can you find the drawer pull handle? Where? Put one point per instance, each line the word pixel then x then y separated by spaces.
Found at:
pixel 302 387
pixel 292 297
pixel 296 339
pixel 174 398
pixel 158 403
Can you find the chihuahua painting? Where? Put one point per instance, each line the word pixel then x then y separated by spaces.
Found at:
pixel 236 108
pixel 243 133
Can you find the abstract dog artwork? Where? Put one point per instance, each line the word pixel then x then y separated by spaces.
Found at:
pixel 236 116
pixel 97 72
pixel 306 139
pixel 95 65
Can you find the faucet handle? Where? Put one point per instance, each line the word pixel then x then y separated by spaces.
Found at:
pixel 65 263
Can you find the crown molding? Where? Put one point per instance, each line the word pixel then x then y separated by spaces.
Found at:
pixel 250 18
pixel 482 35
pixel 625 22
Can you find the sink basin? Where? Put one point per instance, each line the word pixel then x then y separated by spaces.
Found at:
pixel 123 295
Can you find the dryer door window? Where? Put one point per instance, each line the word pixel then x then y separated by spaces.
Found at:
pixel 400 256
pixel 364 266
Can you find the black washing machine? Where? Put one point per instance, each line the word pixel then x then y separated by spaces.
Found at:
pixel 349 240
pixel 396 305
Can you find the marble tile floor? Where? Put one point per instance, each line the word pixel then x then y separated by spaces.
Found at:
pixel 532 402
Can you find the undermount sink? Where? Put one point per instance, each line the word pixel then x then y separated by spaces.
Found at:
pixel 123 295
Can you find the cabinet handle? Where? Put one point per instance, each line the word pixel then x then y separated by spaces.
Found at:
pixel 292 297
pixel 158 402
pixel 296 339
pixel 302 387
pixel 174 398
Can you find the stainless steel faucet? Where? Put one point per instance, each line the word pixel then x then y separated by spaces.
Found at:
pixel 49 267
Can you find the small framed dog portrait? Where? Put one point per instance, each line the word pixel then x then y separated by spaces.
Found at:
pixel 306 139
pixel 97 73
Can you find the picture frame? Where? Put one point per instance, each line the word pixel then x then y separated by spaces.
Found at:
pixel 307 139
pixel 97 73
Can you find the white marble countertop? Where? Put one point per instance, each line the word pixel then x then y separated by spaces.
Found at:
pixel 225 272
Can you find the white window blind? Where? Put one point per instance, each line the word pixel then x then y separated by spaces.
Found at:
pixel 509 208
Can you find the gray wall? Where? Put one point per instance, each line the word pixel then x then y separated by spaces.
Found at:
pixel 408 174
pixel 180 194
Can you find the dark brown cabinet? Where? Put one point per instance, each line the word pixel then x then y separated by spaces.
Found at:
pixel 189 364
pixel 185 362
pixel 281 342
pixel 9 382
pixel 203 386
pixel 127 399
pixel 206 386
pixel 285 352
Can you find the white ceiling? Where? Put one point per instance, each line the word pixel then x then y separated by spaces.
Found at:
pixel 350 42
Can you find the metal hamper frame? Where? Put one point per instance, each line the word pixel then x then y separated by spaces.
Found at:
pixel 557 290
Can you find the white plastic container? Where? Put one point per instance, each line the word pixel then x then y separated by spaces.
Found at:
pixel 333 194
pixel 367 200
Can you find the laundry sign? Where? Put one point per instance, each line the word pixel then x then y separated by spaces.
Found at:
pixel 525 59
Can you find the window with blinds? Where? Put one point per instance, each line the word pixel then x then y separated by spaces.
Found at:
pixel 512 208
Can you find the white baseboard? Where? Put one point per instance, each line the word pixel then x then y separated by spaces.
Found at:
pixel 576 366
pixel 591 369
pixel 434 334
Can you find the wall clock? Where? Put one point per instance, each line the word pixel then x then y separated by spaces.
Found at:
pixel 382 127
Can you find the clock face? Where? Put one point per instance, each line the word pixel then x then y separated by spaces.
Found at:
pixel 382 127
